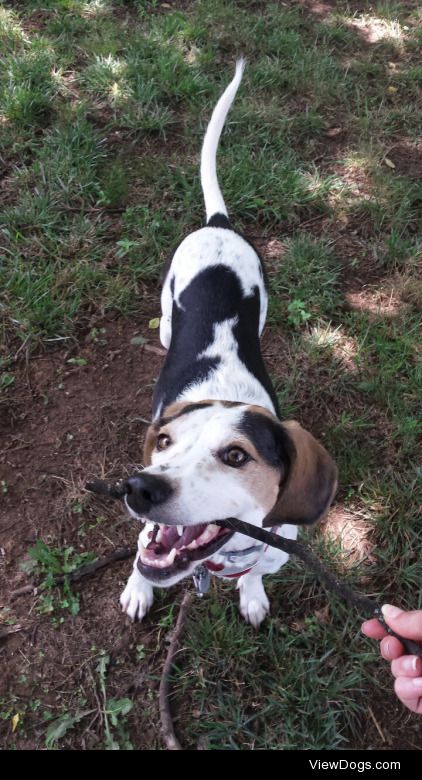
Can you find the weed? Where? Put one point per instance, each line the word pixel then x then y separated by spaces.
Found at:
pixel 59 728
pixel 305 266
pixel 6 380
pixel 114 711
pixel 297 312
pixel 48 564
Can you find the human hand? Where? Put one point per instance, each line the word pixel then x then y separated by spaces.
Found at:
pixel 407 669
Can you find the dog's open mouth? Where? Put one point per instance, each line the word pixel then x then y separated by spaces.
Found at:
pixel 172 548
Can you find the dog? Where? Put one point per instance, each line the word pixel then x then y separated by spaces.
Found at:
pixel 217 447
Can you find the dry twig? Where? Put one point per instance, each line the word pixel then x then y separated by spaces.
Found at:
pixel 172 743
pixel 6 632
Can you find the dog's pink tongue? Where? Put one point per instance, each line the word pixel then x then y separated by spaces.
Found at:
pixel 189 534
pixel 169 538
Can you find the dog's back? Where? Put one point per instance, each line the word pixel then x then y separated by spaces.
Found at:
pixel 214 300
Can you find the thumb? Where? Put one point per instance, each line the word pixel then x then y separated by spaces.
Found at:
pixel 407 624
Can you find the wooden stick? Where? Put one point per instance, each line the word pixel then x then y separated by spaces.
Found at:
pixel 6 632
pixel 172 743
pixel 291 546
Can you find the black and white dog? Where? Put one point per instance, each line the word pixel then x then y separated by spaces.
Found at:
pixel 216 447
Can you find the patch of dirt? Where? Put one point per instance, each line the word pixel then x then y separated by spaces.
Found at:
pixel 321 9
pixel 76 413
pixel 406 155
pixel 73 414
pixel 348 528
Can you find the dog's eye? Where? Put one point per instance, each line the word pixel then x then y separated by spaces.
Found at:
pixel 235 457
pixel 163 441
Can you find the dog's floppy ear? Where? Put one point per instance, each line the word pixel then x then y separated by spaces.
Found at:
pixel 311 482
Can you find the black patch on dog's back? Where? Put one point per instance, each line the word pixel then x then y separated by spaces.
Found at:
pixel 213 296
pixel 220 221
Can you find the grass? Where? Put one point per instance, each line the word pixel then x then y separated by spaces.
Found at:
pixel 103 106
pixel 268 691
pixel 305 265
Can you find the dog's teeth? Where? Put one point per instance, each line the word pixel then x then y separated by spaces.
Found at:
pixel 170 558
pixel 180 529
pixel 206 536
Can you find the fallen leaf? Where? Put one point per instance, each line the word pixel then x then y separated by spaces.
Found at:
pixel 392 90
pixel 323 614
pixel 389 162
pixel 154 323
pixel 77 361
pixel 138 340
pixel 333 132
pixel 15 721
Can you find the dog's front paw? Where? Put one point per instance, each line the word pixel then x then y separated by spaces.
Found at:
pixel 137 597
pixel 254 604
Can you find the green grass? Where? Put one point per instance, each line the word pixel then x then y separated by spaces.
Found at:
pixel 305 265
pixel 103 107
pixel 269 691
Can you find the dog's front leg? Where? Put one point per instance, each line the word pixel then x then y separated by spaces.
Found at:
pixel 254 604
pixel 137 596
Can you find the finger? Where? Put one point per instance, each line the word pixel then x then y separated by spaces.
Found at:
pixel 409 692
pixel 408 624
pixel 373 629
pixel 407 666
pixel 391 648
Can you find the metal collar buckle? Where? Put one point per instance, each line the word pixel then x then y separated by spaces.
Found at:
pixel 201 579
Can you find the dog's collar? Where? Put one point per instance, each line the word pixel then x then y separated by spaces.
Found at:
pixel 202 574
pixel 230 568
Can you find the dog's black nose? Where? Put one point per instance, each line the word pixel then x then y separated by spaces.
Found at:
pixel 144 491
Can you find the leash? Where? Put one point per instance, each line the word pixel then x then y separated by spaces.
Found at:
pixel 290 546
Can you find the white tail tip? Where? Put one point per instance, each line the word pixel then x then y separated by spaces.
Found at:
pixel 214 201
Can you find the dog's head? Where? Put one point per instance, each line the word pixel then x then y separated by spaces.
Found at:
pixel 213 460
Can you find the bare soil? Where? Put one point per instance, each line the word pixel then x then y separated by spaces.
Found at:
pixel 65 423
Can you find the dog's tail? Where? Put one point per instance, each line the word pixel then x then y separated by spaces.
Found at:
pixel 214 201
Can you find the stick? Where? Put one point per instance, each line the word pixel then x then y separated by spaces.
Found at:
pixel 291 546
pixel 172 743
pixel 105 489
pixel 5 632
pixel 22 591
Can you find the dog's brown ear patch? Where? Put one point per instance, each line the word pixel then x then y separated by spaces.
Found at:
pixel 311 483
pixel 149 443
